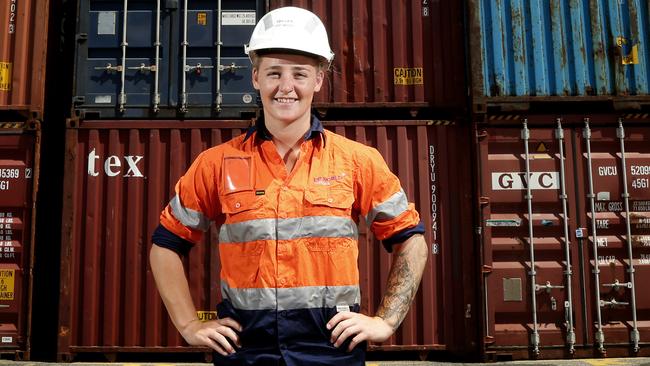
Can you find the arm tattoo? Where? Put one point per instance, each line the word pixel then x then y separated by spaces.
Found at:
pixel 403 283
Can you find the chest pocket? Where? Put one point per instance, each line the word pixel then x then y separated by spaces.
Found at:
pixel 329 199
pixel 240 202
pixel 242 233
pixel 333 208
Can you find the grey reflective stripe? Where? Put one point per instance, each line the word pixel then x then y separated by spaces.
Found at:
pixel 308 297
pixel 389 209
pixel 288 229
pixel 188 217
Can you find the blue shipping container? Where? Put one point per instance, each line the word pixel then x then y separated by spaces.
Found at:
pixel 164 59
pixel 560 48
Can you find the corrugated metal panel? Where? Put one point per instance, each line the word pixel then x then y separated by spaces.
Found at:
pixel 119 175
pixel 559 48
pixel 19 155
pixel 23 47
pixel 513 301
pixel 397 53
pixel 175 64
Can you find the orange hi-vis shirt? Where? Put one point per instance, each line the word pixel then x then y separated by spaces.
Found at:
pixel 288 241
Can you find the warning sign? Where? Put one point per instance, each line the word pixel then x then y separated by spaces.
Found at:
pixel 541 148
pixel 202 18
pixel 5 76
pixel 7 277
pixel 408 76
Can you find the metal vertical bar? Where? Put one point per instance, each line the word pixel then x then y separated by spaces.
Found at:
pixel 122 96
pixel 525 135
pixel 156 88
pixel 186 67
pixel 600 336
pixel 571 337
pixel 218 68
pixel 634 334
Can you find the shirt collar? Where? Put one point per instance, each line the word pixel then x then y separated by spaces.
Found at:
pixel 315 129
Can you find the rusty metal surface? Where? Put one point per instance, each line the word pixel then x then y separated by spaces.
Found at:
pixel 506 240
pixel 23 47
pixel 120 174
pixel 376 40
pixel 19 156
pixel 559 49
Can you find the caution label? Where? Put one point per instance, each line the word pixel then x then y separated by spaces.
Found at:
pixel 7 280
pixel 202 18
pixel 5 76
pixel 408 76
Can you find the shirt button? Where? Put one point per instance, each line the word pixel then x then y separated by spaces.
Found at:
pixel 330 200
pixel 284 188
pixel 237 205
pixel 283 313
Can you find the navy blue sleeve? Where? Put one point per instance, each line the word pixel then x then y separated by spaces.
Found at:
pixel 166 239
pixel 402 236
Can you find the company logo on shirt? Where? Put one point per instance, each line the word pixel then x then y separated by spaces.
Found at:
pixel 326 181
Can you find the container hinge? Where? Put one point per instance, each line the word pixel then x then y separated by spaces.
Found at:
pixel 486 269
pixel 81 37
pixel 481 134
pixel 483 201
pixel 488 340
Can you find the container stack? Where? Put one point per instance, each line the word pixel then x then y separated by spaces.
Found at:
pixel 157 82
pixel 560 103
pixel 23 46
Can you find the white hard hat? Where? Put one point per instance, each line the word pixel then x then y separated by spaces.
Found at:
pixel 291 28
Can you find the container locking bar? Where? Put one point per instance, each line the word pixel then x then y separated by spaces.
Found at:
pixel 634 334
pixel 525 135
pixel 559 135
pixel 546 287
pixel 219 97
pixel 109 68
pixel 143 69
pixel 124 44
pixel 231 68
pixel 613 302
pixel 617 285
pixel 599 336
pixel 157 44
pixel 184 45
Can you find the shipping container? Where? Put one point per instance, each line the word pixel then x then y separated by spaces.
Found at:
pixel 565 238
pixel 392 53
pixel 528 51
pixel 162 59
pixel 119 175
pixel 23 48
pixel 19 159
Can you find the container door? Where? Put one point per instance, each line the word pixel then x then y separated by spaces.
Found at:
pixel 122 59
pixel 618 221
pixel 526 219
pixel 16 163
pixel 214 72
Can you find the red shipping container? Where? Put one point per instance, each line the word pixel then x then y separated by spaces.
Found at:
pixel 19 157
pixel 23 48
pixel 552 257
pixel 392 53
pixel 120 174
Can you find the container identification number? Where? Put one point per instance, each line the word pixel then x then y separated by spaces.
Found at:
pixel 640 169
pixel 641 183
pixel 12 17
pixel 9 173
pixel 434 200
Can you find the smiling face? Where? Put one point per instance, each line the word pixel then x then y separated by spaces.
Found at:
pixel 287 84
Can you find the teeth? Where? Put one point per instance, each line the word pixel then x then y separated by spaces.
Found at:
pixel 285 100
